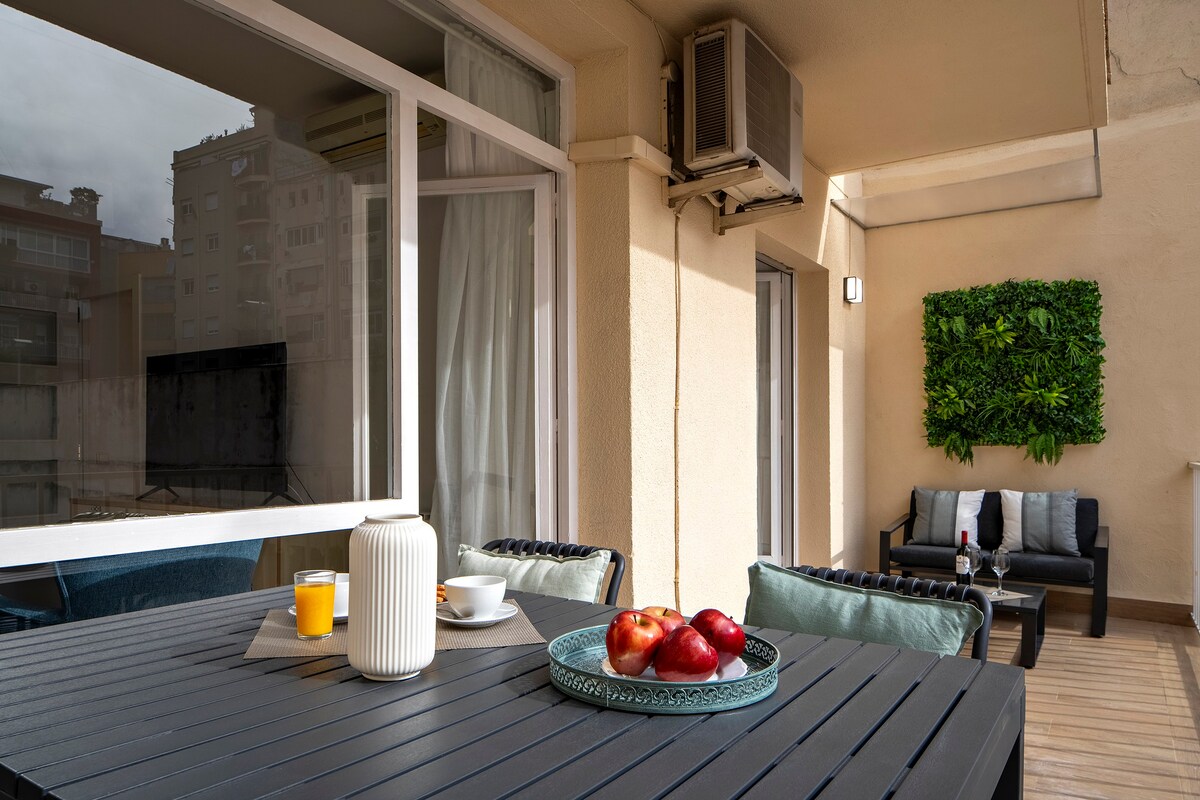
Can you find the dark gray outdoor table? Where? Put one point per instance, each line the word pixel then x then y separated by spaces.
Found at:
pixel 161 704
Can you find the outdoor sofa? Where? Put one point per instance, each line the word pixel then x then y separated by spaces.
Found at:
pixel 1087 570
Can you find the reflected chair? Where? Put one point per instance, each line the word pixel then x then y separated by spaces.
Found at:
pixel 914 587
pixel 99 587
pixel 526 547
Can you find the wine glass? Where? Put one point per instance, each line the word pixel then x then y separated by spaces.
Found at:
pixel 974 562
pixel 1000 564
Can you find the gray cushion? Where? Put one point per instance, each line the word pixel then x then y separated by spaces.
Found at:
pixel 942 515
pixel 786 600
pixel 1040 522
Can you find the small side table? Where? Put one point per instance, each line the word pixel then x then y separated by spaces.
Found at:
pixel 1031 610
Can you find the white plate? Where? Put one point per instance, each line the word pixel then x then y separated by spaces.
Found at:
pixel 503 612
pixel 735 669
pixel 336 618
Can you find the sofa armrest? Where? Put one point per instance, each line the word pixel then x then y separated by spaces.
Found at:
pixel 885 543
pixel 1100 582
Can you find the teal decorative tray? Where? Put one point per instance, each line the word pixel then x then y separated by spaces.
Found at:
pixel 575 669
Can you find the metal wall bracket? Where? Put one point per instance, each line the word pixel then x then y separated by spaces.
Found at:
pixel 714 183
pixel 723 222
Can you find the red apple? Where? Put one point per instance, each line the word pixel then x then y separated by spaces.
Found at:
pixel 685 655
pixel 632 640
pixel 719 630
pixel 668 618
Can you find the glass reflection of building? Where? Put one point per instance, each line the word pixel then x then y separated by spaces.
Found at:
pixel 259 224
pixel 79 309
pixel 273 242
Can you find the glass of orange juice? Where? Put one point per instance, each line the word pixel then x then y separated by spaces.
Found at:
pixel 314 603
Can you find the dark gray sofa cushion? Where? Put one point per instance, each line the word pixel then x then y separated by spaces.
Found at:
pixel 991 521
pixel 1047 566
pixel 1031 566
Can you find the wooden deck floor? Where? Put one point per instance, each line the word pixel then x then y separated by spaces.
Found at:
pixel 1117 717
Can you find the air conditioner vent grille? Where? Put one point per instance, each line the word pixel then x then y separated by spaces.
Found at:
pixel 768 103
pixel 346 124
pixel 375 116
pixel 712 95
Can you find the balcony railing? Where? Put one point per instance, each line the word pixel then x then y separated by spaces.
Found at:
pixel 251 252
pixel 253 212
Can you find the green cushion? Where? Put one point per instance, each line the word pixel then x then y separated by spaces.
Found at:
pixel 573 577
pixel 786 600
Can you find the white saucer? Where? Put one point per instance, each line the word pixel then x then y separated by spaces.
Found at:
pixel 503 612
pixel 336 618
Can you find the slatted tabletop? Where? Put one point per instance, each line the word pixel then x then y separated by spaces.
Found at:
pixel 161 704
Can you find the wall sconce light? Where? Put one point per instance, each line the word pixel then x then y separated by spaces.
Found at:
pixel 852 289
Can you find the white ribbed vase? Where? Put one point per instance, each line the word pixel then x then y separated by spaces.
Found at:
pixel 393 573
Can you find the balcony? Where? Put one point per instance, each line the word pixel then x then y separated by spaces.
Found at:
pixel 253 213
pixel 254 170
pixel 254 253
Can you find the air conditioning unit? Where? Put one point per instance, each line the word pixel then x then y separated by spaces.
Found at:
pixel 360 126
pixel 742 105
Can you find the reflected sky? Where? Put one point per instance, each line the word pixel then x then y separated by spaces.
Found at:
pixel 77 113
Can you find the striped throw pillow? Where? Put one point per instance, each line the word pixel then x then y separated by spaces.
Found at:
pixel 943 515
pixel 1040 522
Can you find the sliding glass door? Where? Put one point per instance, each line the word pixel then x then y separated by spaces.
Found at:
pixel 774 337
pixel 486 361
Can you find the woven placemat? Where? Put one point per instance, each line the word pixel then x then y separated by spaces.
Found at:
pixel 276 637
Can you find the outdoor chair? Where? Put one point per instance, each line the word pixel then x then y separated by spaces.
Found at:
pixel 99 587
pixel 915 587
pixel 870 607
pixel 527 547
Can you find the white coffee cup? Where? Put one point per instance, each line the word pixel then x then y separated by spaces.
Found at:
pixel 475 596
pixel 341 595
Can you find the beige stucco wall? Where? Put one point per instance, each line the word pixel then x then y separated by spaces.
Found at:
pixel 627 343
pixel 1140 242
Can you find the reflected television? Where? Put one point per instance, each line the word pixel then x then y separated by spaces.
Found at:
pixel 217 419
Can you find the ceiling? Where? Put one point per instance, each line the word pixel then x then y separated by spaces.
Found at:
pixel 884 80
pixel 893 80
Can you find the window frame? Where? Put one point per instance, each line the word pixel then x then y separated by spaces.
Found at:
pixel 406 92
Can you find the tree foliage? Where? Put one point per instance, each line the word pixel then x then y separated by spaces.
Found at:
pixel 1015 363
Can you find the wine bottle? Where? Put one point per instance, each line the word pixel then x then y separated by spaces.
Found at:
pixel 962 562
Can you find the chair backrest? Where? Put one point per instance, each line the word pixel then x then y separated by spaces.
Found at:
pixel 99 587
pixel 525 547
pixel 914 587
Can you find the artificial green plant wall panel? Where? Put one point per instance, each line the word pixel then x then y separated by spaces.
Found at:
pixel 1015 363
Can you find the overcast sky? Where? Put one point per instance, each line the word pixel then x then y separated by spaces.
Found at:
pixel 77 113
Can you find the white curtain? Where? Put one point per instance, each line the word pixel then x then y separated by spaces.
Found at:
pixel 484 396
